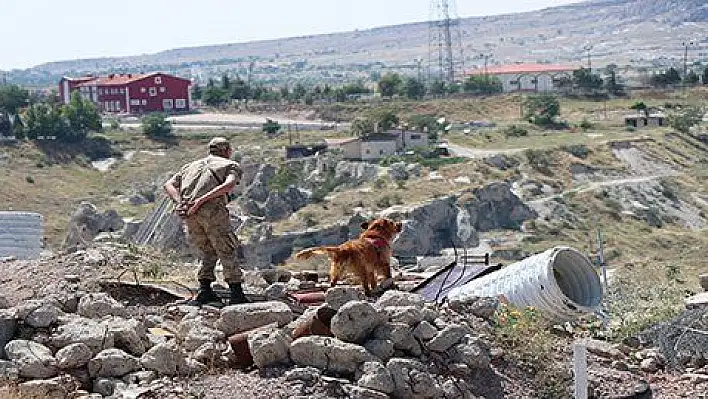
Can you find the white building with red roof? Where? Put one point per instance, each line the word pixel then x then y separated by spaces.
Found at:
pixel 131 93
pixel 527 77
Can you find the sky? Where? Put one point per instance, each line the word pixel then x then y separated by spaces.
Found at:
pixel 38 31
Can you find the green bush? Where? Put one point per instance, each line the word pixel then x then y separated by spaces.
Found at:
pixel 540 160
pixel 515 131
pixel 586 125
pixel 577 150
pixel 156 125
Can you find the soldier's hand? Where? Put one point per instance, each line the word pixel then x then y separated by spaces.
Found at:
pixel 194 207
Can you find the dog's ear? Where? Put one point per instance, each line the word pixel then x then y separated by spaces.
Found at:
pixel 364 225
pixel 399 227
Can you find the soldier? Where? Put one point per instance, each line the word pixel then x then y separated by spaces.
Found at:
pixel 200 191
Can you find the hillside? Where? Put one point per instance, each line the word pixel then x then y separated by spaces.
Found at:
pixel 625 32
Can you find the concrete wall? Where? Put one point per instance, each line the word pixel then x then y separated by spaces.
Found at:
pixel 21 234
pixel 373 150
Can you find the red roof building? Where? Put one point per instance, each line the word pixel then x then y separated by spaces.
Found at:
pixel 131 93
pixel 527 77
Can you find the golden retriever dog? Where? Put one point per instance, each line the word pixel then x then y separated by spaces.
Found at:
pixel 366 257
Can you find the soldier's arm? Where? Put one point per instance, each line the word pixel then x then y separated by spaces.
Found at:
pixel 172 189
pixel 223 189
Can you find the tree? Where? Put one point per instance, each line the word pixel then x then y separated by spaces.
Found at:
pixel 156 125
pixel 705 76
pixel 5 125
pixel 18 128
pixel 542 109
pixel 374 122
pixel 481 84
pixel 240 90
pixel 12 98
pixel 691 79
pixel 82 117
pixel 299 91
pixel 585 80
pixel 226 82
pixel 640 107
pixel 613 87
pixel 437 88
pixel 45 120
pixel 670 77
pixel 686 119
pixel 197 92
pixel 215 96
pixel 414 89
pixel 390 84
pixel 271 126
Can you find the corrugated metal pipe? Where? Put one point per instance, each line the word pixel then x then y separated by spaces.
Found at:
pixel 561 283
pixel 21 234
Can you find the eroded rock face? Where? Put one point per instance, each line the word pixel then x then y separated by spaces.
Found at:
pixel 87 222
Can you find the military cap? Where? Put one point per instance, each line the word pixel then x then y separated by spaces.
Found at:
pixel 219 142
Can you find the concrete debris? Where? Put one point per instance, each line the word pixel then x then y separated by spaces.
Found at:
pixel 240 318
pixel 33 360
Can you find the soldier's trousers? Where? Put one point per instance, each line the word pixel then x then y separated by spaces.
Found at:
pixel 210 231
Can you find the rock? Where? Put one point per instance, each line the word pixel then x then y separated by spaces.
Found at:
pixel 650 365
pixel 401 335
pixel 447 337
pixel 451 390
pixel 329 354
pixel 276 291
pixel 4 303
pixel 240 318
pixel 140 377
pixel 697 301
pixel 400 298
pixel 73 356
pixel 276 207
pixel 471 352
pixel 107 386
pixel 200 334
pixel 9 373
pixel 8 326
pixel 38 314
pixel 112 363
pixel 33 360
pixel 425 331
pixel 373 375
pixel 195 367
pixel 357 392
pixel 355 321
pixel 209 353
pixel 695 378
pixel 602 349
pixel 414 169
pixel 80 330
pixel 501 162
pixel 411 380
pixel 480 307
pixel 398 171
pixel 305 374
pixel 272 276
pixel 336 297
pixel 269 348
pixel 128 335
pixel 166 359
pixel 703 280
pixel 43 389
pixel 410 315
pixel 98 305
pixel 86 223
pixel 620 365
pixel 381 348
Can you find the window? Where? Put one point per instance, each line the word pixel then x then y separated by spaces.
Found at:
pixel 145 102
pixel 153 92
pixel 134 102
pixel 381 152
pixel 117 105
pixel 122 91
pixel 142 90
pixel 415 137
pixel 180 103
pixel 167 104
pixel 162 89
pixel 100 91
pixel 158 80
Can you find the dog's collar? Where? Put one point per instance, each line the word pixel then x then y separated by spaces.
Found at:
pixel 378 242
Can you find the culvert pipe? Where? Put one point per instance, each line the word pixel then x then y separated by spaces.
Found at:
pixel 561 283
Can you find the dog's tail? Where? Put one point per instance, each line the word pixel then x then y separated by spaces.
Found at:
pixel 309 253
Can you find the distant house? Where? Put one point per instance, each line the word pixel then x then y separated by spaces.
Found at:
pixel 527 77
pixel 378 145
pixel 639 121
pixel 131 93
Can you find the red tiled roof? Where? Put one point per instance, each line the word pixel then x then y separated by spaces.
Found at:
pixel 81 79
pixel 120 79
pixel 523 68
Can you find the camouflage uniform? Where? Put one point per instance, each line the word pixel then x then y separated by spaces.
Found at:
pixel 209 229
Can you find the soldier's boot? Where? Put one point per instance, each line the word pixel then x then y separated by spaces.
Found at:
pixel 237 295
pixel 205 295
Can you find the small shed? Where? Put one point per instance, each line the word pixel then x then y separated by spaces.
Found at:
pixel 640 121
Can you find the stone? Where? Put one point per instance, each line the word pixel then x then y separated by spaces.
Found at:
pixel 410 315
pixel 140 377
pixel 401 335
pixel 166 359
pixel 602 349
pixel 400 298
pixel 329 354
pixel 703 280
pixel 373 375
pixel 480 307
pixel 695 378
pixel 195 367
pixel 107 386
pixel 398 171
pixel 239 318
pixel 471 352
pixel 697 301
pixel 425 331
pixel 128 335
pixel 305 374
pixel 38 314
pixel 269 348
pixel 276 291
pixel 80 330
pixel 87 222
pixel 355 321
pixel 650 365
pixel 381 348
pixel 112 363
pixel 33 360
pixel 98 305
pixel 8 326
pixel 43 389
pixel 73 356
pixel 411 380
pixel 357 392
pixel 209 353
pixel 4 303
pixel 198 335
pixel 9 373
pixel 336 297
pixel 620 365
pixel 447 337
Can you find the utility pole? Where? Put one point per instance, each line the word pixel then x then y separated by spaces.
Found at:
pixel 685 57
pixel 587 48
pixel 419 63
